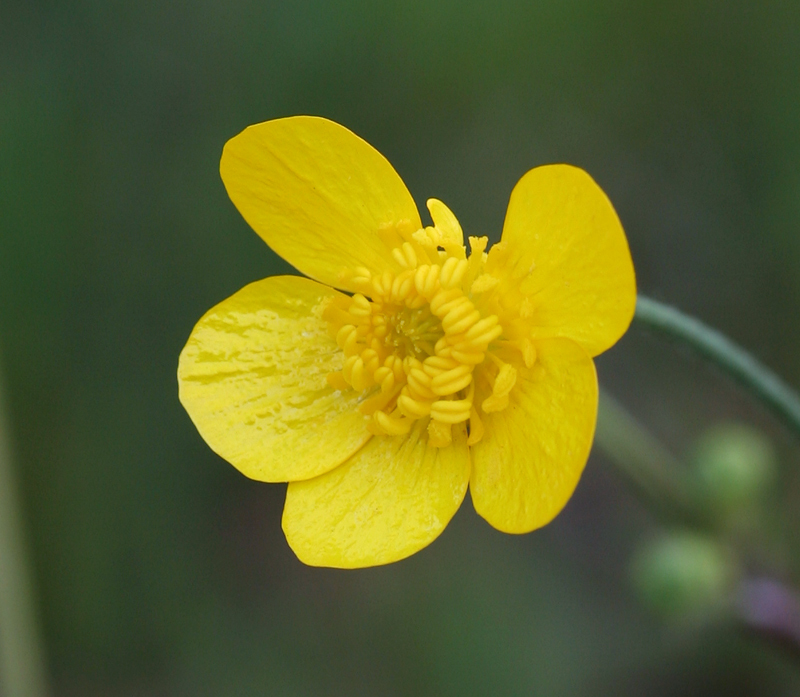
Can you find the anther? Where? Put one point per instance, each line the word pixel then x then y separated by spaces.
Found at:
pixel 451 411
pixel 347 369
pixel 361 277
pixel 420 384
pixel 346 339
pixel 381 373
pixel 439 302
pixel 426 279
pixel 391 425
pixel 476 331
pixel 371 360
pixel 435 365
pixel 452 381
pixel 402 285
pixel 388 382
pixel 413 408
pixel 360 306
pixel 359 377
pixel 453 271
pixel 471 358
pixel 337 382
pixel 461 319
pixel 405 256
pixel 382 285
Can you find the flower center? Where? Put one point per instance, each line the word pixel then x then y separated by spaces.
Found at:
pixel 419 340
pixel 412 332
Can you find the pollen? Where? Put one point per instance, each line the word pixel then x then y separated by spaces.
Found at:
pixel 416 342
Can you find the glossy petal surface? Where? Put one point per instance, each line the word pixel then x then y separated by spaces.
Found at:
pixel 570 257
pixel 391 499
pixel 318 195
pixel 253 378
pixel 533 452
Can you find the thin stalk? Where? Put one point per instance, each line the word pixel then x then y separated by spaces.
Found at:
pixel 765 385
pixel 764 607
pixel 22 667
pixel 655 474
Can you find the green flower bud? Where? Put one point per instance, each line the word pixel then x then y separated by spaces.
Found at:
pixel 735 465
pixel 682 572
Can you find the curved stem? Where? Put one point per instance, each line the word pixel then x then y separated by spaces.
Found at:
pixel 722 352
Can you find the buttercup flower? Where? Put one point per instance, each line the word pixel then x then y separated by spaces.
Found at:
pixel 408 369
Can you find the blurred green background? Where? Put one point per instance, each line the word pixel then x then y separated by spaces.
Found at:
pixel 158 569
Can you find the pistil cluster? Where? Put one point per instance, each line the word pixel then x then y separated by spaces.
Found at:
pixel 417 342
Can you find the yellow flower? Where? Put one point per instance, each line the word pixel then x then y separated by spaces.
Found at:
pixel 432 371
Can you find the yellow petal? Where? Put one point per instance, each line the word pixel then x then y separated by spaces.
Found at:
pixel 570 250
pixel 391 499
pixel 253 377
pixel 318 195
pixel 532 453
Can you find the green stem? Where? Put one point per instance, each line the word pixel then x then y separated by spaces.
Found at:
pixel 22 668
pixel 653 472
pixel 722 352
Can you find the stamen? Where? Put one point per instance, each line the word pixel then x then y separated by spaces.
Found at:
pixel 393 426
pixel 401 287
pixel 525 347
pixel 359 378
pixel 460 319
pixel 416 342
pixel 452 381
pixel 378 402
pixel 439 434
pixel 360 306
pixel 494 403
pixel 475 427
pixel 405 256
pixel 335 315
pixel 337 382
pixel 413 408
pixel 453 272
pixel 346 339
pixel 439 302
pixel 435 365
pixel 483 283
pixel 419 384
pixel 505 380
pixel 426 280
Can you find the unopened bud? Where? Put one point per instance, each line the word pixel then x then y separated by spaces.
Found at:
pixel 682 572
pixel 735 466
